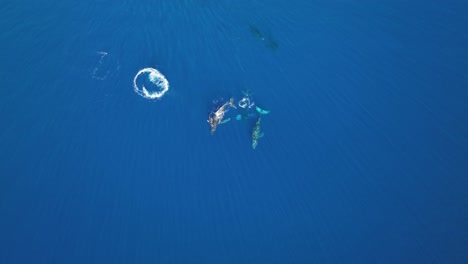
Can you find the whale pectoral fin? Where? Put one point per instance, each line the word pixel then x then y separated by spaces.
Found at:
pixel 261 111
pixel 225 121
pixel 260 135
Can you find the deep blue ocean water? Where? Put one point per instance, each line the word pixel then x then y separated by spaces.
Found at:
pixel 363 158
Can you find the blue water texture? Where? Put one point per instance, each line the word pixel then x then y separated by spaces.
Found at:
pixel 363 157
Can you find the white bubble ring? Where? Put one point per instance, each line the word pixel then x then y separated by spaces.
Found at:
pixel 156 78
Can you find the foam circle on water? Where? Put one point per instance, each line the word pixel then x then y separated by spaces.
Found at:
pixel 245 102
pixel 157 81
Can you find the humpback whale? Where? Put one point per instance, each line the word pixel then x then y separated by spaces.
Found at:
pixel 256 133
pixel 268 40
pixel 256 32
pixel 216 118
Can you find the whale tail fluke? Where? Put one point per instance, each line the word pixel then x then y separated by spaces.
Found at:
pixel 231 102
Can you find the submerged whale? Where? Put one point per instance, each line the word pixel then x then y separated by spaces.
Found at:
pixel 269 40
pixel 216 118
pixel 256 133
pixel 256 32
